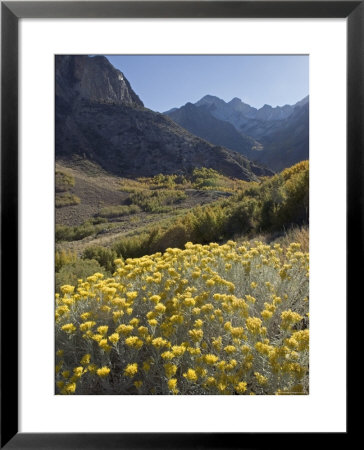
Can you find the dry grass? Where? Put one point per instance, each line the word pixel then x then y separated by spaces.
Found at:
pixel 298 234
pixel 66 199
pixel 284 238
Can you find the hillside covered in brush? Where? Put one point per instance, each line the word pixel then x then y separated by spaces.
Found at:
pixel 149 224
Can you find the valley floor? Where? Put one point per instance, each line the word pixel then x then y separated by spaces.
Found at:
pixel 97 190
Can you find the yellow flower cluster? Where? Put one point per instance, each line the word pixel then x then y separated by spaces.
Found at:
pixel 209 319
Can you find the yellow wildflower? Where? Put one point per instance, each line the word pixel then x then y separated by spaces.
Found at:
pixel 230 349
pixel 69 328
pixel 67 289
pixel 253 325
pixel 85 359
pixel 131 370
pixel 114 338
pixel 196 335
pixel 103 372
pixel 190 375
pixel 170 369
pixel 134 342
pixel 160 342
pixel 124 329
pixel 155 298
pixel 211 359
pixel 87 325
pixel 266 314
pixel 241 387
pixel 289 318
pixel 70 388
pixel 160 308
pixel 260 378
pixel 102 329
pixel 178 350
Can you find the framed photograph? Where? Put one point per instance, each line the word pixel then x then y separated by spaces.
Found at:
pixel 185 177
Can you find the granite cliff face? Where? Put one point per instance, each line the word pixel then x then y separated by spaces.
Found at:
pixel 100 118
pixel 93 79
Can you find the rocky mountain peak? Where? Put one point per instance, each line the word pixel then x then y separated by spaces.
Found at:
pixel 239 106
pixel 93 79
pixel 304 101
pixel 210 100
pixel 235 101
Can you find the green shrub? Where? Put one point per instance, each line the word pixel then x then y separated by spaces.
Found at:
pixel 174 237
pixel 64 257
pixel 157 201
pixel 207 223
pixel 76 233
pixel 66 233
pixel 204 178
pixel 137 246
pixel 119 211
pixel 97 220
pixel 295 207
pixel 67 199
pixel 164 181
pixel 103 255
pixel 241 218
pixel 63 181
pixel 80 269
pixel 277 203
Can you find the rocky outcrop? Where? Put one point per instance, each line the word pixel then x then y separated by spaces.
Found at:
pixel 93 79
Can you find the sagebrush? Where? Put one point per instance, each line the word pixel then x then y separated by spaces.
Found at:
pixel 209 319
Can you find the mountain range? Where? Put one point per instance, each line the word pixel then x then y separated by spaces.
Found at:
pixel 276 137
pixel 99 118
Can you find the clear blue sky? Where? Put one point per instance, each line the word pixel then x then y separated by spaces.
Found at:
pixel 163 82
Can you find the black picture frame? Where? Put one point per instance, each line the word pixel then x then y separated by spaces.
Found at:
pixel 11 12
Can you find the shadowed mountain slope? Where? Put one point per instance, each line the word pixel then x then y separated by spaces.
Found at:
pixel 100 118
pixel 276 137
pixel 200 122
